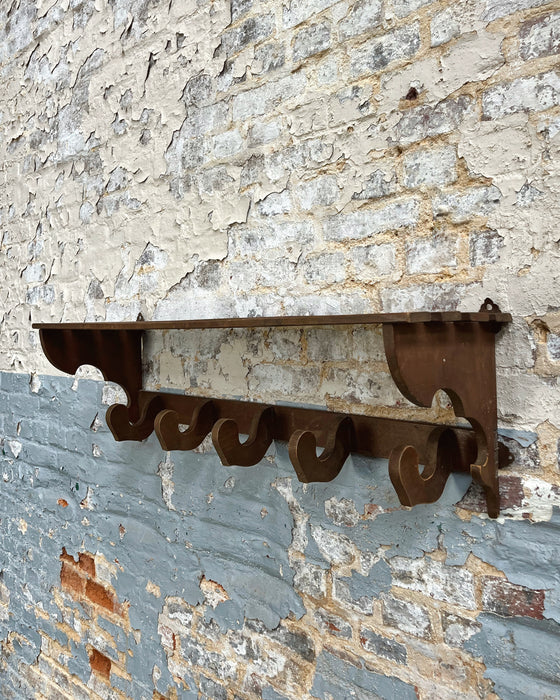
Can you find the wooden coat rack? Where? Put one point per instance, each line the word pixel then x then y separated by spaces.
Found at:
pixel 426 351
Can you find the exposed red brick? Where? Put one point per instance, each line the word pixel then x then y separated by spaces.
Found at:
pixel 66 557
pixel 70 579
pixel 87 563
pixel 99 595
pixel 511 494
pixel 62 502
pixel 100 663
pixel 508 599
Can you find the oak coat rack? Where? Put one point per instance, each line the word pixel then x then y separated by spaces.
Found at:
pixel 426 351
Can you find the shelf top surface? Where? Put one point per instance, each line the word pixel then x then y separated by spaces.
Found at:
pixel 495 317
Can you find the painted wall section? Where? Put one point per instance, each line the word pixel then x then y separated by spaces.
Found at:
pixel 198 159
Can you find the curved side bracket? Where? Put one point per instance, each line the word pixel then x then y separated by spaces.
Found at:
pixel 225 436
pixel 200 424
pixel 441 457
pixel 303 452
pixel 116 353
pixel 460 359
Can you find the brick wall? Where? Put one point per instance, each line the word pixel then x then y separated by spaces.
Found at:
pixel 198 158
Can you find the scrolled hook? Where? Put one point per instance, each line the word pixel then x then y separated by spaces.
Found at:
pixel 225 436
pixel 303 452
pixel 413 487
pixel 118 420
pixel 171 438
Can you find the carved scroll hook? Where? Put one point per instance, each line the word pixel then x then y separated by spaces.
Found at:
pixel 303 452
pixel 225 436
pixel 171 438
pixel 118 420
pixel 440 457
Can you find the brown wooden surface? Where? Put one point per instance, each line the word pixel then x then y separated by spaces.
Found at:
pixel 279 321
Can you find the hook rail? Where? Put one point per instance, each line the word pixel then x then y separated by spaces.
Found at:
pixel 426 351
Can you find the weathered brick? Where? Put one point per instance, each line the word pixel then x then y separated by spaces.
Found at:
pixel 430 255
pixel 239 8
pixel 262 99
pixel 100 663
pixel 275 203
pixel 71 580
pixel 251 31
pixel 381 183
pixel 457 629
pixel 484 247
pixel 374 261
pixel 382 646
pixel 553 346
pixel 502 8
pixel 364 15
pixel 271 56
pixel 403 8
pixel 99 595
pixel 312 40
pixel 540 36
pixel 450 584
pixel 310 579
pixel 507 599
pixel 424 121
pixel 297 11
pixel 368 222
pixel 535 93
pixel 320 192
pixel 428 167
pixel 211 689
pixel 464 205
pixel 406 616
pixel 332 624
pixel 379 53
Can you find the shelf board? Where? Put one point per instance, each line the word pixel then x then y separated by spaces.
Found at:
pixel 284 321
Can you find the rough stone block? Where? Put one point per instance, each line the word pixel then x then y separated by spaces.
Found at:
pixel 379 53
pixel 429 167
pixel 312 40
